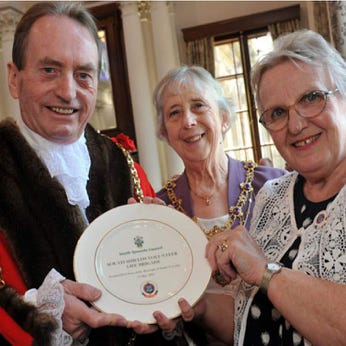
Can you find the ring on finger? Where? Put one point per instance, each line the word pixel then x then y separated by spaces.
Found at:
pixel 223 246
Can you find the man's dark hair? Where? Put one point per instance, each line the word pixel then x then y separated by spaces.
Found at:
pixel 73 10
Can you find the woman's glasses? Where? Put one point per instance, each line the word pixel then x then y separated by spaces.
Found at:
pixel 309 105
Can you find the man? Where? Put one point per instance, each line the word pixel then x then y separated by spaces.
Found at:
pixel 57 175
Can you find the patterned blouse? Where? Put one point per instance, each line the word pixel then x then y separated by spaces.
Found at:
pixel 309 237
pixel 279 331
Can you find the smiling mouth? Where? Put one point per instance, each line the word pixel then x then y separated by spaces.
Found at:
pixel 306 141
pixel 194 138
pixel 64 111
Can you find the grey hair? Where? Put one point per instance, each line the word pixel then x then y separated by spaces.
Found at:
pixel 189 75
pixel 73 10
pixel 304 46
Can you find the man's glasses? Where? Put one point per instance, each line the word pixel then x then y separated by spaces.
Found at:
pixel 309 105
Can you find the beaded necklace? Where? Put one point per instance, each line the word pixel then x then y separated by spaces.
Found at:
pixel 234 212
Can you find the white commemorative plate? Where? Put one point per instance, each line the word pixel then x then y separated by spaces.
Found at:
pixel 143 257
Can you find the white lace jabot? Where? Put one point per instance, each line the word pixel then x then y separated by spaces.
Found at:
pixel 69 163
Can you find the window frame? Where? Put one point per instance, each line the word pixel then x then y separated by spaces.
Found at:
pixel 242 28
pixel 240 24
pixel 108 18
pixel 245 56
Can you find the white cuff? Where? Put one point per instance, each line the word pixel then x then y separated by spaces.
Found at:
pixel 49 298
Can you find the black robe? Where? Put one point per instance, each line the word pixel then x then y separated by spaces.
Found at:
pixel 42 228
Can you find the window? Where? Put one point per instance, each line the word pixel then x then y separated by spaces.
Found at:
pixel 114 92
pixel 237 45
pixel 104 117
pixel 234 57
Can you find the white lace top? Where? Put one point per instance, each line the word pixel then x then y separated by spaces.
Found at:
pixel 322 252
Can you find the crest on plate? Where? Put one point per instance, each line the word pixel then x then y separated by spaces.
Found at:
pixel 138 240
pixel 149 289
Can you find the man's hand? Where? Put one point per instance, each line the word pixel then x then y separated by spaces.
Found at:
pixel 78 317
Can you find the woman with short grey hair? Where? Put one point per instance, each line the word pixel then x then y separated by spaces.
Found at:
pixel 215 190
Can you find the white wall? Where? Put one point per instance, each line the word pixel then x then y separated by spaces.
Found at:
pixel 193 13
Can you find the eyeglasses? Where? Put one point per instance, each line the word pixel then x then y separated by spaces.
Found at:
pixel 309 105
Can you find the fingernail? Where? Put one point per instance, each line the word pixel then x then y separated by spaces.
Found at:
pixel 157 315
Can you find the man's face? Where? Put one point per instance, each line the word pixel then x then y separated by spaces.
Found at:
pixel 57 88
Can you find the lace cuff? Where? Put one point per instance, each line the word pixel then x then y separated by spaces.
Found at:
pixel 49 298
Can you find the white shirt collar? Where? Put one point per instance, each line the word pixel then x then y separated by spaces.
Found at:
pixel 69 163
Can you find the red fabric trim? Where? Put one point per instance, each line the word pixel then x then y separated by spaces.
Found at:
pixel 10 272
pixel 14 334
pixel 145 184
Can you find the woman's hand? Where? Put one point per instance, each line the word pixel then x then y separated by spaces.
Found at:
pixel 187 314
pixel 236 252
pixel 78 318
pixel 170 327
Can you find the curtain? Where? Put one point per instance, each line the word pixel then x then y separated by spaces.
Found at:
pixel 279 28
pixel 338 25
pixel 322 19
pixel 201 52
pixel 330 22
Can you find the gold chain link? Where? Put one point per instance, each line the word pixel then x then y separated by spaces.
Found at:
pixel 134 174
pixel 132 339
pixel 136 181
pixel 234 212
